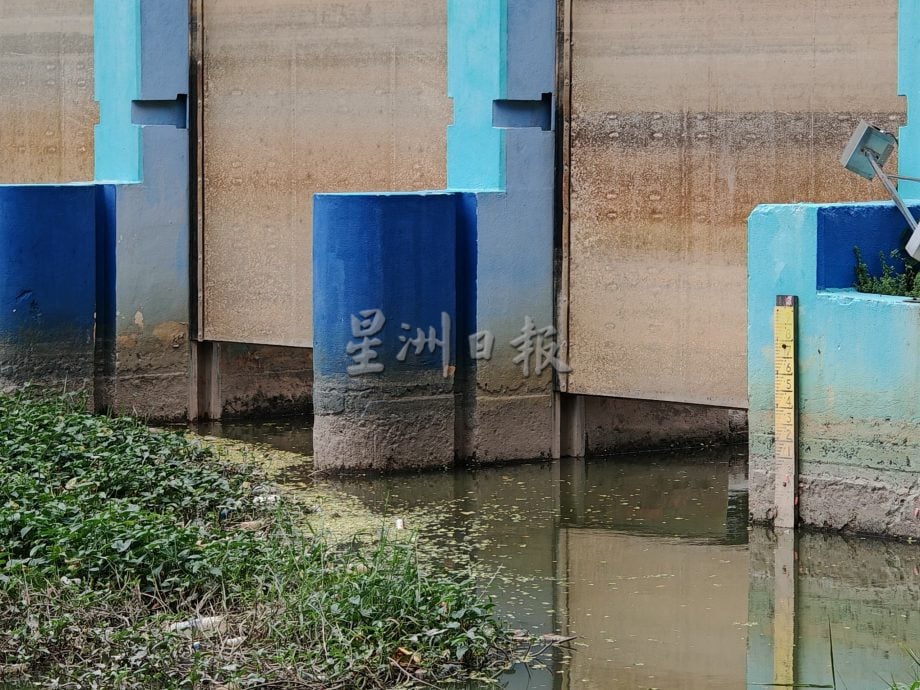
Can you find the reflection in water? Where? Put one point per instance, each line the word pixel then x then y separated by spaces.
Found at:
pixel 646 559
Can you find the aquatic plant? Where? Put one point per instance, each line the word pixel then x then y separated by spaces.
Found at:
pixel 910 685
pixel 132 558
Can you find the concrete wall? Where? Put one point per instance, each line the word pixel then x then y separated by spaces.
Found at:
pixel 858 365
pixel 501 77
pixel 616 425
pixel 265 380
pixel 684 116
pixel 47 110
pixel 302 98
pixel 126 235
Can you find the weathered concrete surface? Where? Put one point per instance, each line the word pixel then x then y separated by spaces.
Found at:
pixel 506 414
pixel 302 98
pixel 384 432
pixel 856 474
pixel 858 370
pixel 47 110
pixel 615 425
pixel 684 116
pixel 506 428
pixel 843 498
pixel 264 380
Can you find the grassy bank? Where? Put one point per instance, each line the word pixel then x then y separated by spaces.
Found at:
pixel 130 558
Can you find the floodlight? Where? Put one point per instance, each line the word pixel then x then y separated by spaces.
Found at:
pixel 867 151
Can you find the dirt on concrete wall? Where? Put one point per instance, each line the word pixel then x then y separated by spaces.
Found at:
pixel 684 116
pixel 47 111
pixel 302 98
pixel 616 425
pixel 263 380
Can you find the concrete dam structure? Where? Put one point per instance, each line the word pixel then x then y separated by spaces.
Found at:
pixel 467 231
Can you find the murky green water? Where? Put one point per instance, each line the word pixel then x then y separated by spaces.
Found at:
pixel 648 560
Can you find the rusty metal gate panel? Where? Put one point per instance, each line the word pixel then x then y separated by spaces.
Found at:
pixel 304 96
pixel 684 116
pixel 47 111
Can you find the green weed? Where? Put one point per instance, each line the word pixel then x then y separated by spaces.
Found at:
pixel 112 535
pixel 911 685
pixel 899 278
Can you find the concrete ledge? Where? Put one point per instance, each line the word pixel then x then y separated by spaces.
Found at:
pixel 844 498
pixel 264 380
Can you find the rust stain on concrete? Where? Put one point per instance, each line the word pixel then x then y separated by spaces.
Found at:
pixel 171 333
pixel 128 341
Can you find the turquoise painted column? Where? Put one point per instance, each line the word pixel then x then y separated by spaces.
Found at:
pixel 477 38
pixel 909 86
pixel 117 51
pixel 858 363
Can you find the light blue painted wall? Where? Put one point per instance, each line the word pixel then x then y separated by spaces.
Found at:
pixel 531 51
pixel 858 354
pixel 782 243
pixel 117 49
pixel 909 86
pixel 164 49
pixel 152 244
pixel 476 76
pixel 144 42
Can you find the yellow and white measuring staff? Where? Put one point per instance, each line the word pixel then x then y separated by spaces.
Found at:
pixel 785 412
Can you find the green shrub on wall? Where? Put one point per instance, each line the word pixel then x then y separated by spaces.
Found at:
pixel 900 277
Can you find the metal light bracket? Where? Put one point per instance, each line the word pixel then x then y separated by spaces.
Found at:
pixel 867 151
